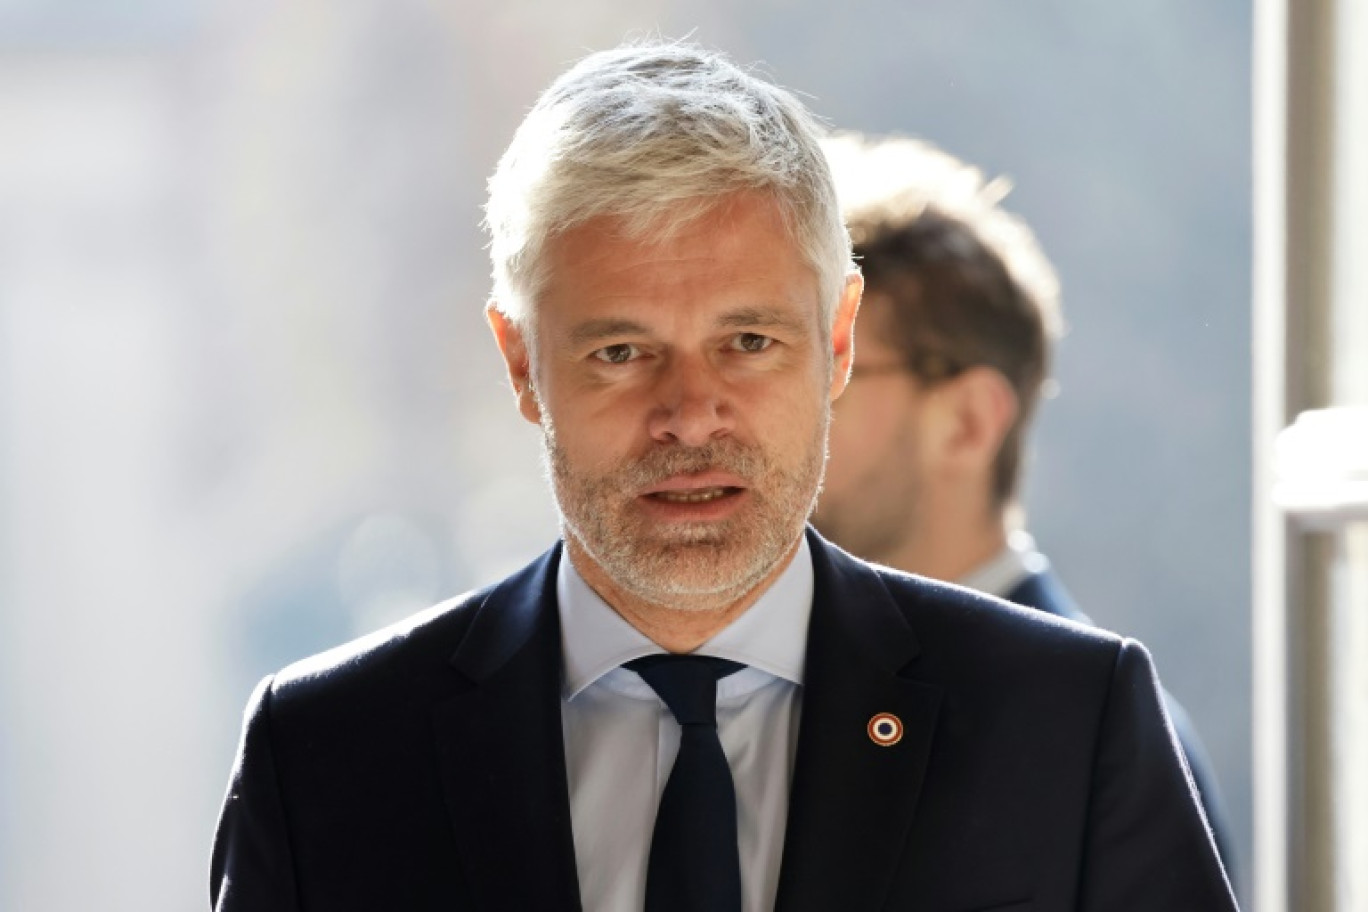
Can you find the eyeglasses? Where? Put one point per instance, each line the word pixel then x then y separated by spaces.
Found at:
pixel 929 367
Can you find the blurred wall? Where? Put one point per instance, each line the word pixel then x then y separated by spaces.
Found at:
pixel 249 409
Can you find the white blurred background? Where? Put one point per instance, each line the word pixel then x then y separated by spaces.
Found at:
pixel 249 409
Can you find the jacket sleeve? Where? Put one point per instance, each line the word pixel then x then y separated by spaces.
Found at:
pixel 1147 842
pixel 1204 778
pixel 252 867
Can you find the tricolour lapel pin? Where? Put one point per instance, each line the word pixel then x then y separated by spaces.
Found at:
pixel 885 729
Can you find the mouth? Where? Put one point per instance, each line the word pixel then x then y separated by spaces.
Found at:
pixel 695 496
pixel 704 496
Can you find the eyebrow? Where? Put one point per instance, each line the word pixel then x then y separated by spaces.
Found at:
pixel 761 317
pixel 597 330
pixel 591 331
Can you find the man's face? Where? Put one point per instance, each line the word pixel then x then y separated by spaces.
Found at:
pixel 683 389
pixel 870 502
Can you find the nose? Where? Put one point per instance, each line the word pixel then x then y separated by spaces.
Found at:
pixel 693 405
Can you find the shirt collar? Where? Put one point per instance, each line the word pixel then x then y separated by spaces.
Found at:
pixel 770 635
pixel 1017 560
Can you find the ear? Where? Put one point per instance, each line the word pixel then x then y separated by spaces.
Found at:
pixel 517 357
pixel 843 333
pixel 980 407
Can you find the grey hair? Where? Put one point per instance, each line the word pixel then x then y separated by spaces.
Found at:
pixel 657 135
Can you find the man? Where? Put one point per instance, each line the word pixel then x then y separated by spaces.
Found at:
pixel 694 702
pixel 960 308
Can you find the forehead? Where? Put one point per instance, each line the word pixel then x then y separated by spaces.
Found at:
pixel 738 251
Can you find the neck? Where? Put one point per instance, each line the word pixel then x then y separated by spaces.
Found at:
pixel 684 625
pixel 950 540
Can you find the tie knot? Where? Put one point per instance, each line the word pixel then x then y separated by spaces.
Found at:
pixel 686 683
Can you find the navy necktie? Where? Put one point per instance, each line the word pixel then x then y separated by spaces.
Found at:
pixel 694 865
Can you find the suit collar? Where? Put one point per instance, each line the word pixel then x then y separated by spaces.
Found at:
pixel 1044 592
pixel 878 627
pixel 853 800
pixel 508 617
pixel 502 753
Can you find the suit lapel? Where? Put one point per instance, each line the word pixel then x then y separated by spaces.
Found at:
pixel 502 753
pixel 853 800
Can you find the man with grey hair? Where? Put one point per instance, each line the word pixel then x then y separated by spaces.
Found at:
pixel 694 702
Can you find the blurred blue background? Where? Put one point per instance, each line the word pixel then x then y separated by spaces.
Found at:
pixel 249 408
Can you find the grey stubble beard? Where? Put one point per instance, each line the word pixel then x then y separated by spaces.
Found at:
pixel 688 566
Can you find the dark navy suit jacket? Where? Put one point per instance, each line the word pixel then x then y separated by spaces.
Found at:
pixel 422 768
pixel 1044 592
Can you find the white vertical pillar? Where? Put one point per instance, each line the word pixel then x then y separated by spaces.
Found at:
pixel 1311 473
pixel 1349 590
pixel 1349 387
pixel 1270 659
pixel 1349 282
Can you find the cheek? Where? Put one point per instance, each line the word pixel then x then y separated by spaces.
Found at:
pixel 594 435
pixel 854 426
pixel 861 432
pixel 845 449
pixel 785 419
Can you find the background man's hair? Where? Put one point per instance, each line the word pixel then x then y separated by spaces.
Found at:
pixel 968 282
pixel 655 134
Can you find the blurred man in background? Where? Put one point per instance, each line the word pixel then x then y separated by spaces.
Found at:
pixel 960 310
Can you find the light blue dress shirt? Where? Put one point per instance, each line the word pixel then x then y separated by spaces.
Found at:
pixel 621 741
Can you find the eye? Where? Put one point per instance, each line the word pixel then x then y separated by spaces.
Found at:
pixel 751 342
pixel 620 353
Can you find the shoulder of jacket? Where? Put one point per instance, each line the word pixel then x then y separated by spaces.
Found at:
pixel 426 637
pixel 935 608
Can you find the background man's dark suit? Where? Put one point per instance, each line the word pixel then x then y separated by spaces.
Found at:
pixel 1044 591
pixel 423 768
